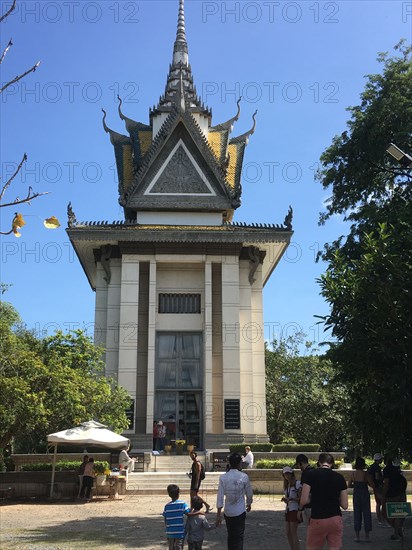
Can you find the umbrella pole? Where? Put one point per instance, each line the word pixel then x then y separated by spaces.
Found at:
pixel 53 470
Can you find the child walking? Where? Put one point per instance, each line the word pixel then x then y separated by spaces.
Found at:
pixel 292 495
pixel 174 513
pixel 196 525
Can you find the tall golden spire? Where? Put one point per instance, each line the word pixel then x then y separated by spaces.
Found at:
pixel 180 49
pixel 179 85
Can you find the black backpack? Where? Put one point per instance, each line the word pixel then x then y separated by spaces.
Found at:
pixel 202 472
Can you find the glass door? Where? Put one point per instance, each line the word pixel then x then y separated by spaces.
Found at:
pixel 179 385
pixel 189 426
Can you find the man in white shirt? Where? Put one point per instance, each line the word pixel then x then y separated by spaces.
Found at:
pixel 235 491
pixel 125 461
pixel 248 458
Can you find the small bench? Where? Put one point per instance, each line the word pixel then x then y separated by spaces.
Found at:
pixel 219 461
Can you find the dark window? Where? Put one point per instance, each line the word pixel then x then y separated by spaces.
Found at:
pixel 179 303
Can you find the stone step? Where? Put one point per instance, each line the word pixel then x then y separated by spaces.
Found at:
pixel 173 463
pixel 156 482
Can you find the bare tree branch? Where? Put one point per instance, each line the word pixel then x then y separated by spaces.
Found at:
pixel 13 7
pixel 28 199
pixel 7 184
pixel 19 77
pixel 9 45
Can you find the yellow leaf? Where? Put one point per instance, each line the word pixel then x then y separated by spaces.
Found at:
pixel 18 221
pixel 51 223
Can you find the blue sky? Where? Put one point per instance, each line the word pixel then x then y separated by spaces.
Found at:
pixel 301 64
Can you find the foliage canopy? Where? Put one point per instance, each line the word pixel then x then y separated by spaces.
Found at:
pixel 368 281
pixel 51 384
pixel 303 401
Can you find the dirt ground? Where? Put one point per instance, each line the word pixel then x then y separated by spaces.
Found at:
pixel 136 522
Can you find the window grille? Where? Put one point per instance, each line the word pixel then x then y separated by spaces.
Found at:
pixel 179 303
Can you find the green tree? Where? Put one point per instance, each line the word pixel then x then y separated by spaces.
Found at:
pixel 368 280
pixel 51 384
pixel 303 400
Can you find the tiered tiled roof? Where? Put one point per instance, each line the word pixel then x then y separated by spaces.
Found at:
pixel 136 152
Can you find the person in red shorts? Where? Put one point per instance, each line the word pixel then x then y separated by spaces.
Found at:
pixel 328 493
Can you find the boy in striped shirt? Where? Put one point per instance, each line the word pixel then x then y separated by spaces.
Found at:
pixel 174 513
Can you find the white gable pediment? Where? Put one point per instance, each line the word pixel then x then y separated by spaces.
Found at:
pixel 180 175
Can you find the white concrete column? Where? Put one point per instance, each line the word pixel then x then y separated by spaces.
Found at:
pixel 151 351
pixel 100 310
pixel 207 363
pixel 258 350
pixel 128 333
pixel 113 319
pixel 230 329
pixel 246 352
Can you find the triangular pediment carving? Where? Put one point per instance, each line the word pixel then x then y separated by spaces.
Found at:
pixel 180 175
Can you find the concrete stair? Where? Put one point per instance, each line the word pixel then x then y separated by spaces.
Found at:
pixel 166 469
pixel 172 463
pixel 155 483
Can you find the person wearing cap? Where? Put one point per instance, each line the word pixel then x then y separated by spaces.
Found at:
pixel 161 435
pixel 236 495
pixel 329 493
pixel 375 479
pixel 302 462
pixel 292 489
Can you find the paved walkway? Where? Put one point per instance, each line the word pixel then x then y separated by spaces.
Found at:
pixel 136 523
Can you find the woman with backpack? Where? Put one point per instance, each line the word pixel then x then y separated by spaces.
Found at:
pixel 197 475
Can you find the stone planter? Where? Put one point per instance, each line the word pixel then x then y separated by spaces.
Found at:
pixel 100 480
pixel 179 449
pixel 168 449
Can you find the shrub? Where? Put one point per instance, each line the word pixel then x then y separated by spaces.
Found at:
pixel 63 465
pixel 255 447
pixel 278 464
pixel 296 448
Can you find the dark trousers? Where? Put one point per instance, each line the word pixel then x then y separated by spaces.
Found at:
pixel 86 486
pixel 362 508
pixel 235 530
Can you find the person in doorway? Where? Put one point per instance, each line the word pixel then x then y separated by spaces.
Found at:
pixel 329 493
pixel 154 435
pixel 302 462
pixel 235 492
pixel 292 489
pixel 196 476
pixel 161 435
pixel 125 461
pixel 248 458
pixel 361 499
pixel 376 482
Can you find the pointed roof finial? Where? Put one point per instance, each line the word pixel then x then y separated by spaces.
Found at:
pixel 245 137
pixel 180 49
